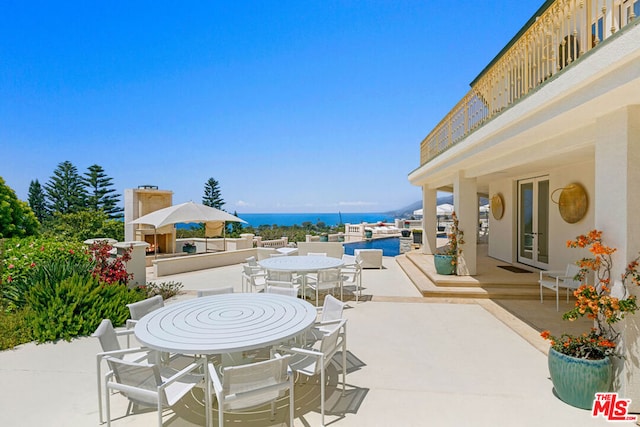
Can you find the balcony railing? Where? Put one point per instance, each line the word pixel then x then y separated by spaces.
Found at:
pixel 558 34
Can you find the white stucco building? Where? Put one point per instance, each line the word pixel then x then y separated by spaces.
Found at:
pixel 551 131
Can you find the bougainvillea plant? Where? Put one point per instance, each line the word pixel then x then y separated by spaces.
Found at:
pixel 597 302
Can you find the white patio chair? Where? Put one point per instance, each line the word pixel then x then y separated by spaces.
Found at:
pixel 251 262
pixel 282 290
pixel 329 318
pixel 108 338
pixel 248 386
pixel 312 361
pixel 149 385
pixel 352 274
pixel 286 279
pixel 555 280
pixel 325 280
pixel 138 309
pixel 251 279
pixel 214 291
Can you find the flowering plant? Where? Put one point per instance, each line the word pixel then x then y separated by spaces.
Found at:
pixel 596 301
pixel 456 238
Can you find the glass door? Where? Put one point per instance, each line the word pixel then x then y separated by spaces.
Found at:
pixel 533 222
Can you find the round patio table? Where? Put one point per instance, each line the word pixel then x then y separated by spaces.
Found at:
pixel 300 263
pixel 225 323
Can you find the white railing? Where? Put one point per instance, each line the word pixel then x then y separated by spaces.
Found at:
pixel 558 35
pixel 276 243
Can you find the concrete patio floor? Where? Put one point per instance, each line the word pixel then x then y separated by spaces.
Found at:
pixel 412 361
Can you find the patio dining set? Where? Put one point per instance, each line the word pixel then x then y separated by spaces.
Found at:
pixel 217 342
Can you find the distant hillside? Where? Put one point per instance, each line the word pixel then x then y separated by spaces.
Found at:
pixel 407 211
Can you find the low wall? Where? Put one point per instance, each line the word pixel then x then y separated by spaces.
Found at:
pixel 215 244
pixel 183 264
pixel 332 249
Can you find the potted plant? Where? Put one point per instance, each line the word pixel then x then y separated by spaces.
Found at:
pixel 580 366
pixel 368 233
pixel 446 261
pixel 405 232
pixel 417 236
pixel 189 248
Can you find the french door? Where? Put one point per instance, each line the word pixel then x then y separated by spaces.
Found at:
pixel 533 222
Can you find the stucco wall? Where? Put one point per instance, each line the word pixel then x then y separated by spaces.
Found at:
pixel 503 232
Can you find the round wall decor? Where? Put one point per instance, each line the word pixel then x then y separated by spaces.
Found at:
pixel 497 206
pixel 573 203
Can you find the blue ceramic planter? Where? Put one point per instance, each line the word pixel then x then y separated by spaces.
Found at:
pixel 576 381
pixel 444 264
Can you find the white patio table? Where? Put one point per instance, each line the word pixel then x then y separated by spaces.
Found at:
pixel 226 323
pixel 301 264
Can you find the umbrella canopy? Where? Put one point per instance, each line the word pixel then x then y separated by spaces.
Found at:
pixel 184 213
pixel 443 209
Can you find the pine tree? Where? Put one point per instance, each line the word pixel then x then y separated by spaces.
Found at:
pixel 65 191
pixel 100 195
pixel 212 196
pixel 16 217
pixel 37 200
pixel 236 227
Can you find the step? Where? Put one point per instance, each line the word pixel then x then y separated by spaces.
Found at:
pixel 464 286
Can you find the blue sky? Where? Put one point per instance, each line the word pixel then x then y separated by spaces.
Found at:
pixel 293 106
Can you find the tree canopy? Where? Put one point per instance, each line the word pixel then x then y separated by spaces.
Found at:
pixel 100 194
pixel 65 190
pixel 212 195
pixel 16 217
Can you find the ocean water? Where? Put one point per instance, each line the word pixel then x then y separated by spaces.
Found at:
pixel 289 219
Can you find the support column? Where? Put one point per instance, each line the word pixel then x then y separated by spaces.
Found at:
pixel 617 203
pixel 465 202
pixel 429 220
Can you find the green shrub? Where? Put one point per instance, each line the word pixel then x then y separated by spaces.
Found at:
pixel 76 306
pixel 22 257
pixel 14 328
pixel 166 289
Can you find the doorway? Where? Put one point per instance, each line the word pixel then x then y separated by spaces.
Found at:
pixel 533 222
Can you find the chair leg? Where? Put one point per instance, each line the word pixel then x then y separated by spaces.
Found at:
pixel 99 382
pixel 291 400
pixel 322 391
pixel 159 413
pixel 107 402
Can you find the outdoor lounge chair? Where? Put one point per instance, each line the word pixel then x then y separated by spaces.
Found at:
pixel 312 361
pixel 369 258
pixel 555 280
pixel 252 385
pixel 150 385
